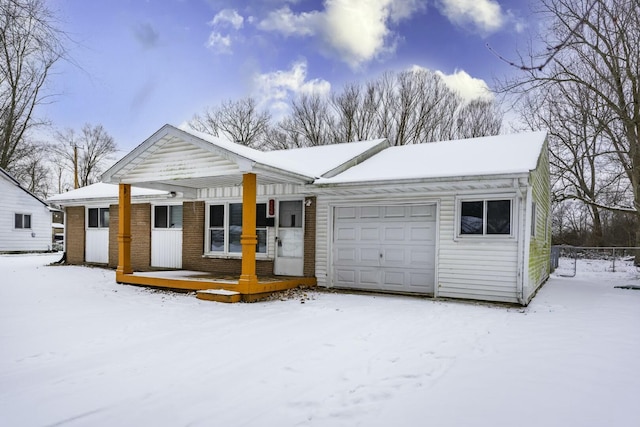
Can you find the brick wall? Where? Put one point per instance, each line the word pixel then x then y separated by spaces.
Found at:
pixel 113 235
pixel 193 232
pixel 140 236
pixel 309 268
pixel 75 234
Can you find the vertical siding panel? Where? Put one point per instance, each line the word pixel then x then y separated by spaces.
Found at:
pixel 166 248
pixel 97 246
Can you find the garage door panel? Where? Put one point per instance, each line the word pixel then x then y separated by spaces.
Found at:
pixel 394 234
pixel 345 213
pixel 385 248
pixel 370 255
pixel 421 234
pixel 370 212
pixel 345 276
pixel 346 234
pixel 369 233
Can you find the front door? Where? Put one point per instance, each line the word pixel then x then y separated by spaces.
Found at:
pixel 289 239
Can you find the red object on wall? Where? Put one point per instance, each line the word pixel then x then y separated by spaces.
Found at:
pixel 271 210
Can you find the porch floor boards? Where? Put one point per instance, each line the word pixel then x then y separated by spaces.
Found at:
pixel 200 280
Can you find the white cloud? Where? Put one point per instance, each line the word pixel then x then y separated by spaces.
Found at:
pixel 228 17
pixel 219 43
pixel 357 31
pixel 275 89
pixel 288 23
pixel 468 87
pixel 485 15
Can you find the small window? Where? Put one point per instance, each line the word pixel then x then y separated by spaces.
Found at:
pixel 485 217
pixel 22 221
pixel 98 218
pixel 167 216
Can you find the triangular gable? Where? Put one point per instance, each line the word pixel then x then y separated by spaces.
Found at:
pixel 14 181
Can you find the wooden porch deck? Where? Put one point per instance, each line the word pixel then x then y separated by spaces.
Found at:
pixel 203 281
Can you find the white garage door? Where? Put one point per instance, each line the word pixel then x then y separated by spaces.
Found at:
pixel 389 248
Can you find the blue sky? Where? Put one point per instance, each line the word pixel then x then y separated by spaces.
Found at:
pixel 140 64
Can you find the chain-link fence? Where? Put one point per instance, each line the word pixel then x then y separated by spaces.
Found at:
pixel 564 259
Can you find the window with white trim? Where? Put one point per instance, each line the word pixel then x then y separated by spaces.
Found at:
pixel 167 216
pixel 485 217
pixel 225 228
pixel 22 221
pixel 98 218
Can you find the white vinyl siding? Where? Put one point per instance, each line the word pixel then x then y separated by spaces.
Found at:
pixel 481 268
pixel 15 200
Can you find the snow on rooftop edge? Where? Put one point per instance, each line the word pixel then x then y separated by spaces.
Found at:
pixel 492 155
pixel 307 161
pixel 102 190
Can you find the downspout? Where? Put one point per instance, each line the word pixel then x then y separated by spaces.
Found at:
pixel 523 251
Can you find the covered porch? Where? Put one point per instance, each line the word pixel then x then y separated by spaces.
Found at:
pixel 176 161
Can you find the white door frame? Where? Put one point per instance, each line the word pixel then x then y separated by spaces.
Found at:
pixel 294 238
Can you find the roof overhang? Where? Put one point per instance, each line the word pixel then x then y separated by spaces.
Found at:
pixel 175 160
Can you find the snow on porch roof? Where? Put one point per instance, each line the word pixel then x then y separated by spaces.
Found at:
pixel 217 161
pixel 308 161
pixel 102 190
pixel 492 155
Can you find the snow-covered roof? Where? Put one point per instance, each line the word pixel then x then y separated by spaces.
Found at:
pixel 492 155
pixel 102 190
pixel 312 162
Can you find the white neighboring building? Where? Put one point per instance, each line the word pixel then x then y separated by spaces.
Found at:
pixel 25 219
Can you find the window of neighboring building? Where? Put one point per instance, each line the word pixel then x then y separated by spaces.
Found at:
pixel 98 218
pixel 485 217
pixel 167 216
pixel 225 228
pixel 22 220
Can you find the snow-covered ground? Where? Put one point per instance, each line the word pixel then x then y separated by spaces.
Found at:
pixel 77 349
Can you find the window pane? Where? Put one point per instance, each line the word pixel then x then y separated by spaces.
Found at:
pixel 26 221
pixel 235 214
pixel 217 240
pixel 290 214
pixel 471 218
pixel 175 219
pixel 261 247
pixel 234 238
pixel 499 217
pixel 160 217
pixel 104 217
pixel 261 215
pixel 216 216
pixel 93 217
pixel 18 221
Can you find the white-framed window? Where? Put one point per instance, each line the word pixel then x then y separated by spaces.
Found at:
pixel 167 216
pixel 224 228
pixel 22 221
pixel 485 217
pixel 98 217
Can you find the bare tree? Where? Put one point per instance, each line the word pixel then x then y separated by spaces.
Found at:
pixel 30 45
pixel 479 117
pixel 94 146
pixel 594 66
pixel 239 121
pixel 310 120
pixel 32 169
